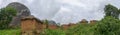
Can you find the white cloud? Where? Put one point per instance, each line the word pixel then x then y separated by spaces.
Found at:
pixel 30 1
pixel 80 9
pixel 64 9
pixel 0 2
pixel 14 0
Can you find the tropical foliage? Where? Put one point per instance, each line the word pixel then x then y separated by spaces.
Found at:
pixel 108 26
pixel 6 15
pixel 111 10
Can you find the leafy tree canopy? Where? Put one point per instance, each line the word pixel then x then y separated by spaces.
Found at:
pixel 108 26
pixel 111 10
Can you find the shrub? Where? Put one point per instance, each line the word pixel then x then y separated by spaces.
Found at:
pixel 54 32
pixel 108 26
pixel 6 15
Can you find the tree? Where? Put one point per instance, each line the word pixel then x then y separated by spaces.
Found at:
pixel 108 26
pixel 111 10
pixel 6 15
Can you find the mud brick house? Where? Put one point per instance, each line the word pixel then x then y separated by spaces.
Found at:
pixel 44 26
pixel 52 25
pixel 65 26
pixel 49 24
pixel 72 24
pixel 31 26
pixel 92 22
pixel 83 21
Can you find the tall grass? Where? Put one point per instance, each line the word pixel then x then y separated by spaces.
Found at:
pixel 10 32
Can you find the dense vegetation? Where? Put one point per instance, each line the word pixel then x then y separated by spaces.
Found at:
pixel 10 32
pixel 109 25
pixel 6 15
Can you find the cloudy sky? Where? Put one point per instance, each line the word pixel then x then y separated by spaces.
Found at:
pixel 65 11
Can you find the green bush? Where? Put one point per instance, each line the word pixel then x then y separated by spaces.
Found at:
pixel 54 32
pixel 6 15
pixel 81 29
pixel 108 26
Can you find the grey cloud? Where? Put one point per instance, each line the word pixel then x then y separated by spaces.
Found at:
pixel 92 11
pixel 44 9
pixel 51 9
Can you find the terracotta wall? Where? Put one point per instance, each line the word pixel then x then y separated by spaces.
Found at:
pixel 72 24
pixel 44 26
pixel 31 26
pixel 52 27
pixel 92 22
pixel 27 25
pixel 65 26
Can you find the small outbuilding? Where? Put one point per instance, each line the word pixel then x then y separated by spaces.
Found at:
pixel 83 21
pixel 92 22
pixel 31 26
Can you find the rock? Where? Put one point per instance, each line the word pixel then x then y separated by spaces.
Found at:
pixel 22 11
